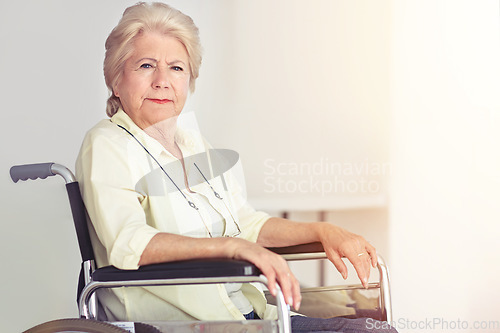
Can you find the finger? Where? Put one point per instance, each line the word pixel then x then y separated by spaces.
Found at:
pixel 373 254
pixel 290 286
pixel 361 263
pixel 297 297
pixel 278 272
pixel 338 263
pixel 271 279
pixel 368 268
pixel 286 287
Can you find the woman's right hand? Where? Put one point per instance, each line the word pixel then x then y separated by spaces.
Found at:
pixel 165 247
pixel 272 265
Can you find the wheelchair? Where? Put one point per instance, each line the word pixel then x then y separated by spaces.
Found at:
pixel 188 272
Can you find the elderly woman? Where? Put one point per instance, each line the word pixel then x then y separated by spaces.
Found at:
pixel 152 61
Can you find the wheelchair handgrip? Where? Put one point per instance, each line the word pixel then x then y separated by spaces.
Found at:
pixel 31 171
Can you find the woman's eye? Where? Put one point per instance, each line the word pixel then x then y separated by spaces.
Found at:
pixel 146 66
pixel 177 68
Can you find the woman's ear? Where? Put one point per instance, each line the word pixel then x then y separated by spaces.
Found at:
pixel 115 87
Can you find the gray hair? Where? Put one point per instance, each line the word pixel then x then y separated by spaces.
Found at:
pixel 154 17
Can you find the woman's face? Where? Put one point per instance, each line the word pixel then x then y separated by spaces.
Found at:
pixel 155 80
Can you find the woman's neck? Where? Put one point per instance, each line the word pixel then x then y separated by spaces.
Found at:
pixel 164 133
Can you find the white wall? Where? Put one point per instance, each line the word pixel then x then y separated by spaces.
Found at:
pixel 310 86
pixel 444 207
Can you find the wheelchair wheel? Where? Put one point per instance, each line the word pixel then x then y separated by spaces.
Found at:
pixel 76 326
pixel 145 328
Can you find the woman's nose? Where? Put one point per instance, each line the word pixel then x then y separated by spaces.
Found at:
pixel 161 79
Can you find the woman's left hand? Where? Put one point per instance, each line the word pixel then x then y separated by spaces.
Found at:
pixel 339 243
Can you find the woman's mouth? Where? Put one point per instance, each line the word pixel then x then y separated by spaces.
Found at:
pixel 160 101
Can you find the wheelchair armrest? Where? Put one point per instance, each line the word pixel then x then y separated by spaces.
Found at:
pixel 179 270
pixel 315 247
pixel 187 272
